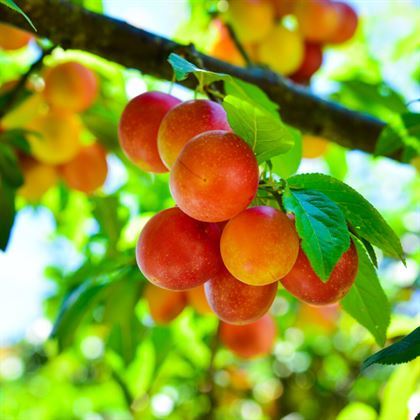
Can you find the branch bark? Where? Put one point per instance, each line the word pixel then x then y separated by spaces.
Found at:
pixel 73 27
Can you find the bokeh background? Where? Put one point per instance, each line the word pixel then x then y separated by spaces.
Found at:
pixel 163 372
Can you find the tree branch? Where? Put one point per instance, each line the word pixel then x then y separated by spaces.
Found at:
pixel 71 26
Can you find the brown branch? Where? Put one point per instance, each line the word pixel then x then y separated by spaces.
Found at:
pixel 71 26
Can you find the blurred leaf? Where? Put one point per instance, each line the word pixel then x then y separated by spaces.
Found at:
pixel 73 310
pixel 403 351
pixel 398 390
pixel 321 226
pixel 336 159
pixel 9 167
pixel 16 138
pixel 12 5
pixel 7 212
pixel 288 163
pixel 366 221
pixel 263 131
pixel 357 410
pixel 366 301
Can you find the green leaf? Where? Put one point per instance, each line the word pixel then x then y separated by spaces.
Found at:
pixel 288 163
pixel 9 167
pixel 263 131
pixel 336 159
pixel 321 226
pixel 357 410
pixel 12 5
pixel 7 212
pixel 408 348
pixel 371 252
pixel 73 310
pixel 365 220
pixel 366 301
pixel 399 388
pixel 17 139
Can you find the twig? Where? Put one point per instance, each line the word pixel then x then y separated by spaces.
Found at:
pixel 238 45
pixel 22 81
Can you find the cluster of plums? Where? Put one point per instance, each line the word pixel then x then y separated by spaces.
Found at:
pixel 212 237
pixel 50 113
pixel 286 35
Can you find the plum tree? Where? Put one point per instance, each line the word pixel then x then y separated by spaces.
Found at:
pixel 235 302
pixel 318 19
pixel 177 252
pixel 185 121
pixel 56 137
pixel 139 126
pixel 313 146
pixel 197 299
pixel 87 171
pixel 252 340
pixel 282 50
pixel 12 38
pixel 303 283
pixel 252 20
pixel 347 23
pixel 38 179
pixel 70 86
pixel 164 305
pixel 312 61
pixel 223 46
pixel 215 177
pixel 259 245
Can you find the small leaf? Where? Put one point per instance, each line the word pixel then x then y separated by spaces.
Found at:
pixel 408 348
pixel 16 138
pixel 12 5
pixel 288 163
pixel 322 228
pixel 263 131
pixel 365 220
pixel 371 252
pixel 7 212
pixel 366 301
pixel 336 159
pixel 9 167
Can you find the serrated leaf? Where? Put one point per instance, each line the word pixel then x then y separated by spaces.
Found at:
pixel 7 212
pixel 366 301
pixel 408 348
pixel 12 5
pixel 264 132
pixel 288 163
pixel 73 310
pixel 321 226
pixel 365 220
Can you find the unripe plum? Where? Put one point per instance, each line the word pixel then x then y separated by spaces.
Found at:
pixel 252 20
pixel 347 26
pixel 70 86
pixel 38 179
pixel 252 340
pixel 312 61
pixel 184 122
pixel 318 19
pixel 56 137
pixel 177 252
pixel 12 38
pixel 87 171
pixel 313 146
pixel 303 283
pixel 223 46
pixel 215 176
pixel 235 302
pixel 197 299
pixel 164 305
pixel 259 246
pixel 282 50
pixel 139 126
